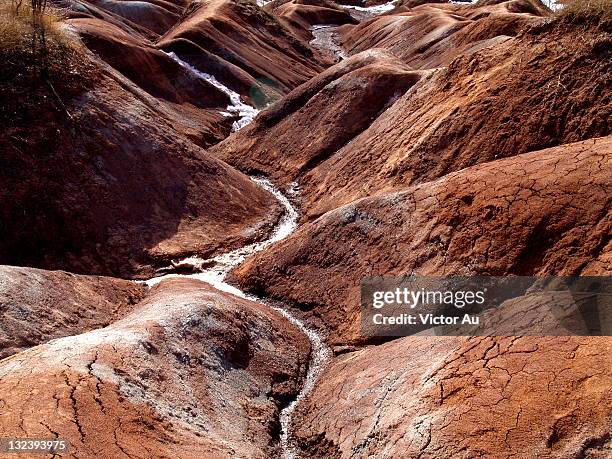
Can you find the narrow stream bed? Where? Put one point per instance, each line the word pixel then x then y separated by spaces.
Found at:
pixel 214 271
pixel 215 274
pixel 245 113
pixel 373 10
pixel 326 40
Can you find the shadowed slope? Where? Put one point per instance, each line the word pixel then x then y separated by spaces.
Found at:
pixel 97 179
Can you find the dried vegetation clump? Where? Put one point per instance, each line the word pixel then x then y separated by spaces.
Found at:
pixel 40 63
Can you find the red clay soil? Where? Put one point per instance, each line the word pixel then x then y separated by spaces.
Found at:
pixel 147 19
pixel 432 35
pixel 196 104
pixel 433 397
pixel 545 212
pixel 326 113
pixel 267 50
pixel 413 3
pixel 543 88
pixel 549 313
pixel 497 164
pixel 190 373
pixel 301 15
pixel 37 306
pixel 110 186
pixel 131 47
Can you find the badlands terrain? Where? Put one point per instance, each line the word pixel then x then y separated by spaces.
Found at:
pixel 192 191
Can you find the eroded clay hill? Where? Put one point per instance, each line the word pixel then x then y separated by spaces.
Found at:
pixel 199 114
pixel 328 112
pixel 453 139
pixel 432 397
pixel 545 87
pixel 146 19
pixel 189 373
pixel 100 179
pixel 302 15
pixel 37 306
pixel 193 106
pixel 433 34
pixel 539 213
pixel 136 37
pixel 246 36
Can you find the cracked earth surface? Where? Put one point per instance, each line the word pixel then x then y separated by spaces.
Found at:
pixel 431 397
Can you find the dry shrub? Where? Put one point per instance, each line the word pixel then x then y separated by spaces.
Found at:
pixel 39 62
pixel 31 41
pixel 19 25
pixel 597 7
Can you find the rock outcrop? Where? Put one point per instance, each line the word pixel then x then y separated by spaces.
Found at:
pixel 190 372
pixel 541 89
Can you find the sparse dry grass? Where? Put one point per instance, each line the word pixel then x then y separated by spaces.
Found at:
pixel 37 71
pixel 583 10
pixel 31 43
pixel 587 10
pixel 18 25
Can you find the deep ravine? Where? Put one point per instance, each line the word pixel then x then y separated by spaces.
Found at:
pixel 218 268
pixel 216 274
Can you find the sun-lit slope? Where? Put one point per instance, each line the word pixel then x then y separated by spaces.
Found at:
pixel 545 87
pixel 37 306
pixel 433 397
pixel 195 107
pixel 540 213
pixel 146 18
pixel 401 167
pixel 320 117
pixel 301 15
pixel 245 35
pixel 190 373
pixel 432 35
